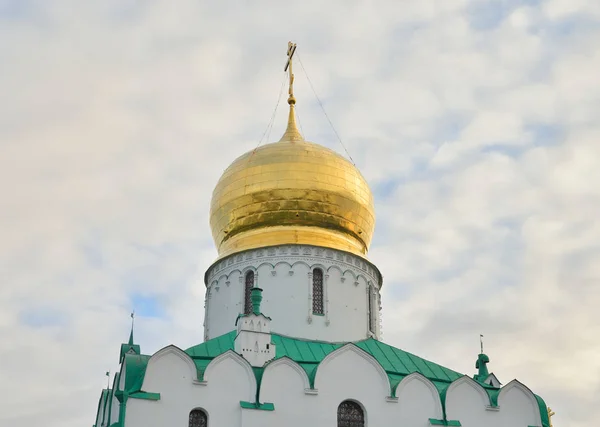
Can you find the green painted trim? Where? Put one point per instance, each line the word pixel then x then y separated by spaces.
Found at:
pixel 434 422
pixel 145 395
pixel 135 369
pixel 319 314
pixel 122 398
pixel 111 397
pixel 99 410
pixel 260 406
pixel 309 354
pixel 543 411
pixel 126 349
pixel 104 406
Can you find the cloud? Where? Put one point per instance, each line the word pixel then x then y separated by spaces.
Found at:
pixel 476 125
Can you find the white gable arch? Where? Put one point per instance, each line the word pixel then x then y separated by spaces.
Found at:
pixel 165 361
pixel 514 384
pixel 290 363
pixel 214 372
pixel 517 399
pixel 464 382
pixel 332 357
pixel 406 386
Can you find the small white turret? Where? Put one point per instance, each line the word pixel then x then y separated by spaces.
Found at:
pixel 253 339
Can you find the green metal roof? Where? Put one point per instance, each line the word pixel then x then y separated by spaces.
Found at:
pixel 101 404
pixel 135 369
pixel 308 354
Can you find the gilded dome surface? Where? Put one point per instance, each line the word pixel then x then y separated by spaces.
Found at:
pixel 292 192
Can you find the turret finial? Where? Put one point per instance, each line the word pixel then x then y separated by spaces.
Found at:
pixel 256 298
pixel 290 53
pixel 292 133
pixel 131 333
pixel 130 347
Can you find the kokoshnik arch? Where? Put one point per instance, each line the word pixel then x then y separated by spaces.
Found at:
pixel 292 331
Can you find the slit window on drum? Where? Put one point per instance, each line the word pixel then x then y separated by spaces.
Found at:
pixel 248 291
pixel 317 291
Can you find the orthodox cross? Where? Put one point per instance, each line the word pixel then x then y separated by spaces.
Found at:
pixel 481 342
pixel 288 64
pixel 550 413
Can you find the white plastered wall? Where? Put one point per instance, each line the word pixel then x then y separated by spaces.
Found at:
pixel 228 380
pixel 468 402
pixel 347 373
pixel 517 402
pixel 284 274
pixel 418 401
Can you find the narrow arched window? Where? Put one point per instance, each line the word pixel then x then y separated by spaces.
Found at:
pixel 317 291
pixel 198 418
pixel 350 414
pixel 370 296
pixel 249 284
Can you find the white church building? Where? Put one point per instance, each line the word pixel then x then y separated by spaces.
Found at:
pixel 292 322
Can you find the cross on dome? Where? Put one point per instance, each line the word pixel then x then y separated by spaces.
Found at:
pixel 292 192
pixel 292 133
pixel 288 65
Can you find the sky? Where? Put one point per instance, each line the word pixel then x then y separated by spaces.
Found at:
pixel 476 124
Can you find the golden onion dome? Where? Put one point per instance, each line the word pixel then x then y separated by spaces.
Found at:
pixel 292 192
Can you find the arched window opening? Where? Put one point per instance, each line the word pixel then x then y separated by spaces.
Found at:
pixel 372 316
pixel 350 414
pixel 247 292
pixel 317 291
pixel 198 418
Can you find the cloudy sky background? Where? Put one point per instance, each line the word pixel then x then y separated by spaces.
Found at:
pixel 476 124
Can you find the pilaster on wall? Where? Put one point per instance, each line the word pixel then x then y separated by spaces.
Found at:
pixel 326 299
pixel 310 296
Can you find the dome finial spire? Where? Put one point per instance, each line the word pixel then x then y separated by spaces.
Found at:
pixel 291 133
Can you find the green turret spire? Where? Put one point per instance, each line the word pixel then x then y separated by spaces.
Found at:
pixel 130 347
pixel 481 365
